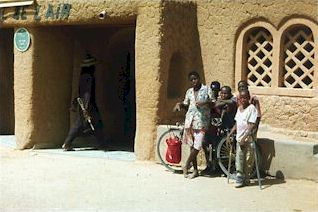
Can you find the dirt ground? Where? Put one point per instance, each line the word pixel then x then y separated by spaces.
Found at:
pixel 41 181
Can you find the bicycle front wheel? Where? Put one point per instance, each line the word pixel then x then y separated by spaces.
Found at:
pixel 162 149
pixel 223 152
pixel 223 156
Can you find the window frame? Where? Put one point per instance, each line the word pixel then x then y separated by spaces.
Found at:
pixel 278 36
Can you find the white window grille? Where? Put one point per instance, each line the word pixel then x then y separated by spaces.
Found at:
pixel 299 51
pixel 279 61
pixel 259 57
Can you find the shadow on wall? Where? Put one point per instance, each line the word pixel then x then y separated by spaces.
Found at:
pixel 180 54
pixel 268 153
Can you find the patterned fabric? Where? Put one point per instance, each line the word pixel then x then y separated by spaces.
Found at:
pixel 197 118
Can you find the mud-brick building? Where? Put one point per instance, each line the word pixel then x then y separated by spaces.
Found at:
pixel 146 48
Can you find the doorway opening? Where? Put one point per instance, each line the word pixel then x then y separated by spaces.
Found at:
pixel 114 49
pixel 7 123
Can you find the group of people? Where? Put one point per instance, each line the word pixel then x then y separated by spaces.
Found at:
pixel 240 113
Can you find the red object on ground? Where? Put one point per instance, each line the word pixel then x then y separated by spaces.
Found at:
pixel 173 153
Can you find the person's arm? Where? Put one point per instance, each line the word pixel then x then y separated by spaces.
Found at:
pixel 228 105
pixel 86 89
pixel 248 132
pixel 86 86
pixel 182 105
pixel 219 104
pixel 233 130
pixel 258 107
pixel 227 101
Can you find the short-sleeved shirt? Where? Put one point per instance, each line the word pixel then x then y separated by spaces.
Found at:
pixel 198 117
pixel 253 100
pixel 242 118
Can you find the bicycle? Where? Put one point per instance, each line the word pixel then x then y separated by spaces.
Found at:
pixel 222 149
pixel 176 131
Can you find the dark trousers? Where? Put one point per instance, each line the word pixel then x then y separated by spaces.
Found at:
pixel 79 128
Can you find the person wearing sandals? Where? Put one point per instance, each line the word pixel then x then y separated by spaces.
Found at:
pixel 197 102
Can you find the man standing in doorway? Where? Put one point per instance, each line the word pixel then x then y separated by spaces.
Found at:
pixel 88 119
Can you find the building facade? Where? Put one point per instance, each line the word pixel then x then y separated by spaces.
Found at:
pixel 147 48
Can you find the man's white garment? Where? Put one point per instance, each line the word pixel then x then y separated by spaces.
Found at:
pixel 242 118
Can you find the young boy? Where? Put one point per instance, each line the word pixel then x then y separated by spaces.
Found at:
pixel 227 104
pixel 224 105
pixel 242 85
pixel 246 117
pixel 197 100
pixel 215 87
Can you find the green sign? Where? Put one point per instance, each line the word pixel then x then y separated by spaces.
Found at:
pixel 22 39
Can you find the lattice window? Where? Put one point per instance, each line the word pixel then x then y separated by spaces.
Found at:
pixel 259 57
pixel 299 48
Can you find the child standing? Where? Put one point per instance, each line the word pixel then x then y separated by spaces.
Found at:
pixel 246 118
pixel 242 85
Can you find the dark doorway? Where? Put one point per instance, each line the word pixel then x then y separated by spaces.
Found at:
pixel 6 82
pixel 126 123
pixel 114 47
pixel 122 65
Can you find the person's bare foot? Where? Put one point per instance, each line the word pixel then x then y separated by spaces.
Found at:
pixel 185 171
pixel 194 174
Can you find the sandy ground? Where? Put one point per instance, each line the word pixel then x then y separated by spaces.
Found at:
pixel 40 181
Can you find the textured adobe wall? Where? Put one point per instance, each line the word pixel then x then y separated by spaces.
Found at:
pixel 220 21
pixel 180 41
pixel 291 113
pixel 6 82
pixel 148 38
pixel 23 87
pixel 202 32
pixel 86 12
pixel 82 12
pixel 50 88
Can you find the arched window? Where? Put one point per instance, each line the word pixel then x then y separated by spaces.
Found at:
pixel 259 56
pixel 279 62
pixel 298 55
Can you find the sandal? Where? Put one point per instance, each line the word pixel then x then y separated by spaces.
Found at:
pixel 194 174
pixel 67 148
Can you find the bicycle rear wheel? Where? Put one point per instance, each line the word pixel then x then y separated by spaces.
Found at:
pixel 162 148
